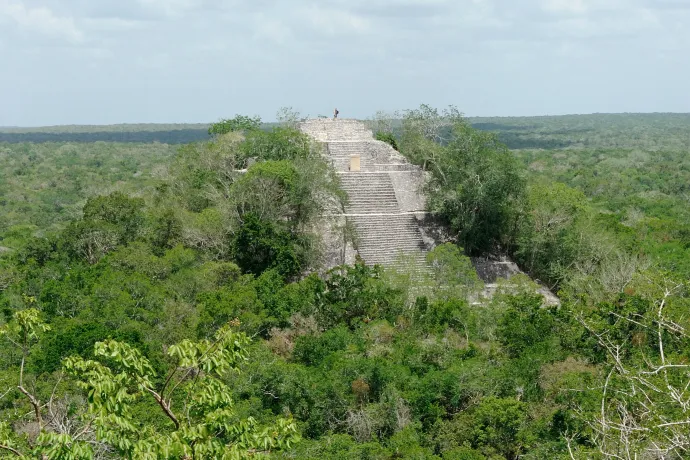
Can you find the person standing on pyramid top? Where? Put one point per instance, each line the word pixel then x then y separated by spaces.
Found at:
pixel 335 114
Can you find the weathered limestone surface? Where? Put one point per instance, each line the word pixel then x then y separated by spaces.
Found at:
pixel 385 195
pixel 329 130
pixel 408 190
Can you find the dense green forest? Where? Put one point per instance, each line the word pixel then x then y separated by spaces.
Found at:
pixel 44 186
pixel 171 306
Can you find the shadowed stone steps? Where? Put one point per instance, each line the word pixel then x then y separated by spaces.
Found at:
pixel 382 238
pixel 369 193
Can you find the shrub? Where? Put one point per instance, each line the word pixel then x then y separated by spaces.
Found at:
pixel 312 349
pixel 388 138
pixel 260 245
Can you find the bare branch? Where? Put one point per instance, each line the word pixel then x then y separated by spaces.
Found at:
pixel 10 449
pixel 36 405
pixel 165 407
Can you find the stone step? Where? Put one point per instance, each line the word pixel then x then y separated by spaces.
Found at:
pixel 389 207
pixel 369 193
pixel 383 239
pixel 371 152
pixel 397 237
pixel 394 237
pixel 389 224
pixel 390 249
pixel 375 200
pixel 369 209
pixel 362 190
pixel 368 190
pixel 384 181
pixel 372 197
pixel 380 179
pixel 397 233
pixel 406 247
pixel 385 206
pixel 393 260
pixel 392 167
pixel 372 186
pixel 389 252
pixel 362 181
pixel 355 176
pixel 382 226
pixel 395 230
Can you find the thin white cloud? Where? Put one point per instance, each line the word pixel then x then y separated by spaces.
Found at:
pixel 566 6
pixel 273 29
pixel 175 8
pixel 631 23
pixel 333 21
pixel 40 20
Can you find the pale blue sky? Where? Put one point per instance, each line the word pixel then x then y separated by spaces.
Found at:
pixel 112 61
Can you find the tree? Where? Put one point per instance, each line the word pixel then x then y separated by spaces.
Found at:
pixel 193 397
pixel 23 333
pixel 288 117
pixel 119 210
pixel 267 190
pixel 494 426
pixel 477 185
pixel 427 122
pixel 280 143
pixel 553 210
pixel 454 273
pixel 240 123
pixel 260 245
pixel 384 122
pixel 166 231
pixel 559 240
pixel 90 240
pixel 526 324
pixel 54 439
pixel 203 173
pixel 642 408
pixel 109 221
pixel 425 130
pixel 388 138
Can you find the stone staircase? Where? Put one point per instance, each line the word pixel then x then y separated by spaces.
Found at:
pixel 375 156
pixel 369 193
pixel 387 238
pixel 386 234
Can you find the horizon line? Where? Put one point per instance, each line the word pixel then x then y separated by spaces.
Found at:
pixel 192 123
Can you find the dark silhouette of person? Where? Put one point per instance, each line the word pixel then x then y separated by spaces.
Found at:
pixel 335 114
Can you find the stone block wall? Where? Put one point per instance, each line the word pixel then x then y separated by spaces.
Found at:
pixel 408 186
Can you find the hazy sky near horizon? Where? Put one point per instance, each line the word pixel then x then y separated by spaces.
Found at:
pixel 116 61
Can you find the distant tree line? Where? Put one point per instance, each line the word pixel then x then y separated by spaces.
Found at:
pixel 177 136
